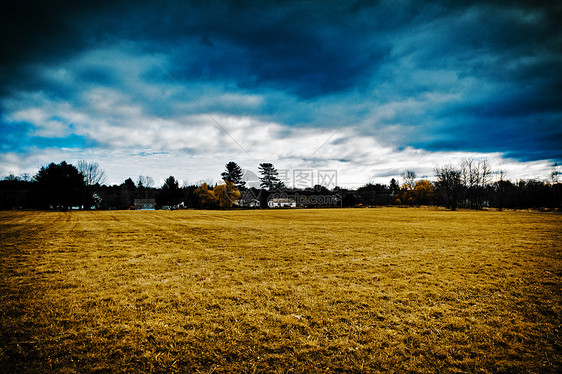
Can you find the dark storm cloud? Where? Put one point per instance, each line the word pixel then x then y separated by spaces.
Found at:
pixel 309 48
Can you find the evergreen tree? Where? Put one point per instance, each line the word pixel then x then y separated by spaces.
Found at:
pixel 170 194
pixel 394 186
pixel 233 174
pixel 269 179
pixel 61 186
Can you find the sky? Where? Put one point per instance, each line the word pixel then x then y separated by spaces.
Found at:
pixel 364 89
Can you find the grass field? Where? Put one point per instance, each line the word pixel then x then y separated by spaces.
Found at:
pixel 349 290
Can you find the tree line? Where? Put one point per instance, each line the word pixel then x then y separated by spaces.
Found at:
pixel 469 185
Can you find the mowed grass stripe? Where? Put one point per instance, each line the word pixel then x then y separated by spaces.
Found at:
pixel 355 290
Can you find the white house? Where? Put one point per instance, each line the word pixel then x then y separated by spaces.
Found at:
pixel 282 202
pixel 248 200
pixel 145 204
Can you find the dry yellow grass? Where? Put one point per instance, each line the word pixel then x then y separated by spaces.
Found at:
pixel 370 290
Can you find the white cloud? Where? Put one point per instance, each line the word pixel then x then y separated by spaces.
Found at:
pixel 194 148
pixel 45 124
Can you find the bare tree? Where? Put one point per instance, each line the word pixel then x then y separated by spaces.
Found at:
pixel 92 172
pixel 467 176
pixel 449 183
pixel 555 174
pixel 475 175
pixel 486 172
pixel 409 179
pixel 145 181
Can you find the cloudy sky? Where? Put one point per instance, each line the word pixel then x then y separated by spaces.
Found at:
pixel 367 88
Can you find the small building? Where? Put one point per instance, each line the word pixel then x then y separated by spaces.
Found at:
pixel 282 202
pixel 248 200
pixel 145 204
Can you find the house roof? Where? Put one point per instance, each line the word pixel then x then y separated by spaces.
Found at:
pixel 144 201
pixel 248 196
pixel 283 200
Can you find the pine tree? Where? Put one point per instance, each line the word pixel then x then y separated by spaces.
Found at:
pixel 234 174
pixel 269 179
